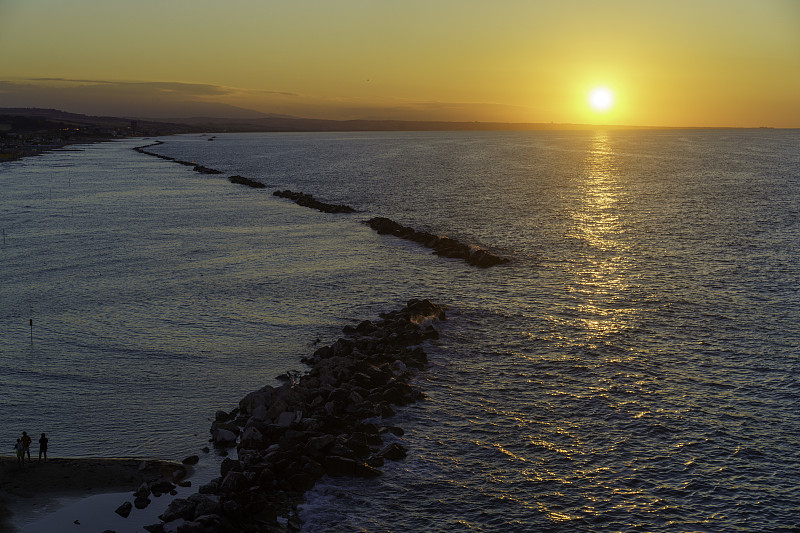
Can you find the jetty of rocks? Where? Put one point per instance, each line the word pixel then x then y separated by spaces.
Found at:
pixel 197 168
pixel 241 180
pixel 441 245
pixel 306 200
pixel 329 421
pixel 444 246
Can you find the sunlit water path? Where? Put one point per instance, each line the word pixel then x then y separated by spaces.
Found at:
pixel 634 368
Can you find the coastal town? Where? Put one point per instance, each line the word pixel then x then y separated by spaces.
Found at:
pixel 28 132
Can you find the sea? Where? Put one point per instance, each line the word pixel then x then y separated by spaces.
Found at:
pixel 634 367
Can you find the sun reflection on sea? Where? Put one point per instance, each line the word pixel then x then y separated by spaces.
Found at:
pixel 601 277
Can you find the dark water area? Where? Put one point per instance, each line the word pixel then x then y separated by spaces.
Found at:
pixel 634 368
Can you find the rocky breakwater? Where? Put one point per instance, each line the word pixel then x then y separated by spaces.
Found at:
pixel 197 168
pixel 443 246
pixel 241 180
pixel 329 421
pixel 306 200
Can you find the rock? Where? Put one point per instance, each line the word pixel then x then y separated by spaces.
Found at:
pixel 233 482
pixel 142 491
pixel 174 526
pixel 286 419
pixel 302 481
pixel 316 446
pixel 191 460
pixel 191 527
pixel 206 170
pixel 178 508
pixel 393 452
pixel 443 246
pixel 337 466
pixel 306 200
pixel 205 505
pixel 365 470
pixel 208 488
pixel 161 487
pixel 141 502
pixel 223 437
pixel 229 465
pixel 246 181
pixel 124 510
pixel 231 508
pixel 252 439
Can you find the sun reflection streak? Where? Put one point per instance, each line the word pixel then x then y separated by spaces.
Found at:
pixel 601 277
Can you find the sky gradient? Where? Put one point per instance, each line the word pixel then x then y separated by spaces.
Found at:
pixel 730 63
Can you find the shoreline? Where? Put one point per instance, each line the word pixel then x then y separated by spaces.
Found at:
pixel 25 490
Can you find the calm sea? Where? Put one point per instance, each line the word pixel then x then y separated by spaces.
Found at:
pixel 635 368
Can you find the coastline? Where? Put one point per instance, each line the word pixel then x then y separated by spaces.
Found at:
pixel 10 152
pixel 27 490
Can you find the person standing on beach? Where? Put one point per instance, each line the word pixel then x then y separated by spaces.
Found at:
pixel 43 447
pixel 26 445
pixel 20 452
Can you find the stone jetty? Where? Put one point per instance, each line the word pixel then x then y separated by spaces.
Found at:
pixel 197 168
pixel 241 180
pixel 441 245
pixel 329 421
pixel 444 246
pixel 306 200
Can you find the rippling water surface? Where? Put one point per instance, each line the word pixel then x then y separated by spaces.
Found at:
pixel 635 368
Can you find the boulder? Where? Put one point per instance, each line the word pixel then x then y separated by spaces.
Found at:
pixel 336 466
pixel 393 452
pixel 161 487
pixel 143 490
pixel 252 439
pixel 205 504
pixel 233 482
pixel 124 510
pixel 178 508
pixel 316 446
pixel 365 470
pixel 141 502
pixel 223 437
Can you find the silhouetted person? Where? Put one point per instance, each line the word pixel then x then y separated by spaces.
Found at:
pixel 26 445
pixel 43 447
pixel 20 452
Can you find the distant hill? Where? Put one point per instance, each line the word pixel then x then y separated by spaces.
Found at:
pixel 25 120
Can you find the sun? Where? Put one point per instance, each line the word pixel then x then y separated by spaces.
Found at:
pixel 601 99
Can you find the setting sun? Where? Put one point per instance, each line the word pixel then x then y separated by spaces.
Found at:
pixel 601 99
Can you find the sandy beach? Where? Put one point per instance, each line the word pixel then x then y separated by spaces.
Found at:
pixel 28 488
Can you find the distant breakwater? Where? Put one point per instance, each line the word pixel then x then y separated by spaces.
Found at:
pixel 288 437
pixel 441 245
pixel 306 200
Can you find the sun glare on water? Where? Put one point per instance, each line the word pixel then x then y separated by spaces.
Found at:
pixel 601 99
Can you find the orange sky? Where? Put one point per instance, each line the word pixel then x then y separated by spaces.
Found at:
pixel 668 63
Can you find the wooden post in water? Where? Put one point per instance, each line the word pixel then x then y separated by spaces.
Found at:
pixel 31 321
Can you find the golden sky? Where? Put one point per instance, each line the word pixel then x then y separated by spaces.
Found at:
pixel 667 63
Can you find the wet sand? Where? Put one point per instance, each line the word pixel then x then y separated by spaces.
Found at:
pixel 24 488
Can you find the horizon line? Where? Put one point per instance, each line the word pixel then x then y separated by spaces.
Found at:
pixel 464 124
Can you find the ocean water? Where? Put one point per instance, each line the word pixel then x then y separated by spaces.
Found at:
pixel 634 368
